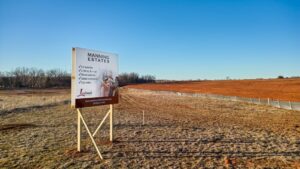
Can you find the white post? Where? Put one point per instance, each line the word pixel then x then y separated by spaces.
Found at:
pixel 290 105
pixel 268 101
pixel 78 131
pixel 111 123
pixel 278 103
pixel 143 117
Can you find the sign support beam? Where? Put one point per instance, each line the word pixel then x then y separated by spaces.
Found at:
pixel 81 119
pixel 78 131
pixel 111 123
pixel 105 117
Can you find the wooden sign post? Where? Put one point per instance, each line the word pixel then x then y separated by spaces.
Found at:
pixel 94 83
pixel 81 119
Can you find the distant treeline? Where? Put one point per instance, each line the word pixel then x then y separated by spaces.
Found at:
pixel 55 78
pixel 134 78
pixel 35 78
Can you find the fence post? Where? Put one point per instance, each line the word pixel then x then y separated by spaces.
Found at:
pixel 143 117
pixel 290 105
pixel 268 101
pixel 259 100
pixel 278 103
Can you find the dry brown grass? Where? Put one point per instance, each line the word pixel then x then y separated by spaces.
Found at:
pixel 11 100
pixel 180 132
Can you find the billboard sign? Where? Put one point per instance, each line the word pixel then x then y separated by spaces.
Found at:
pixel 94 78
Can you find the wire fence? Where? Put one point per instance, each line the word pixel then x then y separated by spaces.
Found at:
pixel 270 102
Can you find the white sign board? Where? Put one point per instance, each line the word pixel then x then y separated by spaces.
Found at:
pixel 94 78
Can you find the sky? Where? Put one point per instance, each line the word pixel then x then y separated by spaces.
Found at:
pixel 171 39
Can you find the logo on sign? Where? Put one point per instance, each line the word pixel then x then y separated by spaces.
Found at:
pixel 84 93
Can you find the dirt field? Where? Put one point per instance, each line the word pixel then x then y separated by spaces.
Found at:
pixel 282 89
pixel 179 132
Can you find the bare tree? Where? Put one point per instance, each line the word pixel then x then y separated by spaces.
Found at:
pixel 38 78
pixel 132 78
pixel 34 78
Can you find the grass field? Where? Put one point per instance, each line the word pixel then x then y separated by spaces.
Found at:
pixel 179 132
pixel 282 89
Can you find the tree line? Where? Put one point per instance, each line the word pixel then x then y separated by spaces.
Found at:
pixel 134 78
pixel 34 78
pixel 55 78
